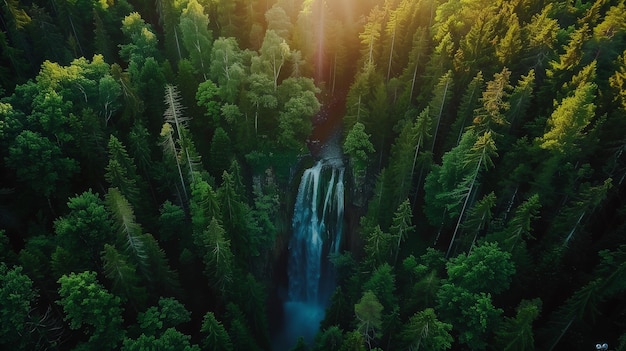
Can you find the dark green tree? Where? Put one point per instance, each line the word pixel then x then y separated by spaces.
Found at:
pixel 123 276
pixel 216 336
pixel 17 301
pixel 486 269
pixel 425 331
pixel 401 225
pixel 90 307
pixel 170 340
pixel 516 333
pixel 121 172
pixel 156 320
pixel 221 153
pixel 40 164
pixel 358 147
pixel 81 234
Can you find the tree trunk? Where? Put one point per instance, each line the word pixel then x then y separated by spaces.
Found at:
pixel 443 102
pixel 393 40
pixel 413 81
pixel 458 223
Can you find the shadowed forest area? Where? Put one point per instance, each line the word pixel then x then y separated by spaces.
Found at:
pixel 151 151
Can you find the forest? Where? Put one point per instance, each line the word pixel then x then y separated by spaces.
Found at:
pixel 151 152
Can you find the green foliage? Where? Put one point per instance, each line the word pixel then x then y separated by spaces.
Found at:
pixel 130 235
pixel 424 330
pixel 273 54
pixel 206 97
pixel 495 102
pixel 238 329
pixel 170 340
pixel 81 234
pixel 40 163
pixel 401 224
pixel 448 186
pixel 368 313
pixel 221 154
pixel 143 41
pixel 196 36
pixel 358 146
pixel 227 68
pixel 216 254
pixel 172 222
pixel 486 269
pixel 156 320
pixel 618 80
pixel 17 300
pixel 203 205
pixel 82 103
pixel 469 103
pixel 90 307
pixel 568 121
pixel 378 245
pixel 471 314
pixel 299 105
pixel 216 336
pixel 382 284
pixel 329 339
pixel 517 333
pixel 121 172
pixel 123 275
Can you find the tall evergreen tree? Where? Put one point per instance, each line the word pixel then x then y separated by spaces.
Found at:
pixel 490 116
pixel 442 94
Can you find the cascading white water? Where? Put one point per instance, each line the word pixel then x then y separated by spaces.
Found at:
pixel 317 225
pixel 317 228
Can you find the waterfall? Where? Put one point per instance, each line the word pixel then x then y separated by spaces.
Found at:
pixel 317 226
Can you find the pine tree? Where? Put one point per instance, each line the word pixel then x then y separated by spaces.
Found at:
pixel 541 33
pixel 465 112
pixel 519 228
pixel 130 235
pixel 123 275
pixel 480 155
pixel 516 333
pixel 490 116
pixel 370 35
pixel 618 79
pixel 442 94
pixel 216 336
pixel 568 121
pixel 203 205
pixel 417 57
pixel 401 225
pixel 217 255
pixel 121 172
pixel 509 47
pixel 520 99
pixel 424 330
pixel 479 217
